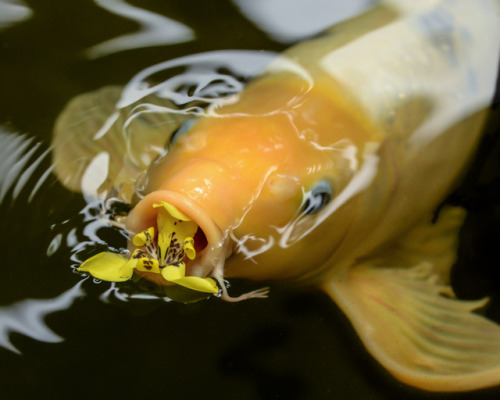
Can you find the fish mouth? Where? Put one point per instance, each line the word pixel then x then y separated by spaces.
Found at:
pixel 209 245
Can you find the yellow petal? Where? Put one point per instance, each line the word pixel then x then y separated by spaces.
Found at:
pixel 173 211
pixel 144 238
pixel 148 265
pixel 177 275
pixel 169 224
pixel 184 230
pixel 206 285
pixel 172 272
pixel 109 267
pixel 189 248
pixel 165 229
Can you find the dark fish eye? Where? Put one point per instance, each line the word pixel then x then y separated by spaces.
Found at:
pixel 183 127
pixel 317 198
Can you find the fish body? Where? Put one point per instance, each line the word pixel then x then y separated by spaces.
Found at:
pixel 329 168
pixel 375 130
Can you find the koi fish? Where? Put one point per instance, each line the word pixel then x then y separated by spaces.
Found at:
pixel 328 168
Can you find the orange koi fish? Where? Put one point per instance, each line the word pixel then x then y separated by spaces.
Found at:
pixel 327 168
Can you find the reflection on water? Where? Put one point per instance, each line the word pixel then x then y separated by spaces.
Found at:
pixel 138 118
pixel 12 12
pixel 288 21
pixel 254 350
pixel 19 160
pixel 155 30
pixel 206 77
pixel 27 318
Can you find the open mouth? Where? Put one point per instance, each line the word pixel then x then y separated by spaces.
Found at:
pixel 170 248
pixel 177 243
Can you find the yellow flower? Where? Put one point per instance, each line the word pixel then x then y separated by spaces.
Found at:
pixel 175 234
pixel 163 254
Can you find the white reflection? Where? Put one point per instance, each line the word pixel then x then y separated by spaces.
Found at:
pixel 12 12
pixel 452 64
pixel 114 293
pixel 155 30
pixel 288 21
pixel 201 73
pixel 27 318
pixel 95 175
pixel 360 181
pixel 258 245
pixel 54 245
pixel 18 162
pixel 201 81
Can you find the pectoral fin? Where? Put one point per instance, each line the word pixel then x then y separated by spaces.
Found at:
pixel 413 325
pixel 92 132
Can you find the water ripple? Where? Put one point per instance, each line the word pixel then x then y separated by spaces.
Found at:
pixel 27 317
pixel 12 12
pixel 20 157
pixel 155 30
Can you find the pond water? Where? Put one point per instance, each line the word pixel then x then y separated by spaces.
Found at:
pixel 63 335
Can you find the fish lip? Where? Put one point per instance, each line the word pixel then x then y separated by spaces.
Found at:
pixel 143 215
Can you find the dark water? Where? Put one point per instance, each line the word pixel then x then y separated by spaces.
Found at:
pixel 60 339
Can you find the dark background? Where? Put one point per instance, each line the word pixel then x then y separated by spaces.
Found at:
pixel 294 345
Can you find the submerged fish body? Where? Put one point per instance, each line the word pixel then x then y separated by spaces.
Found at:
pixel 328 168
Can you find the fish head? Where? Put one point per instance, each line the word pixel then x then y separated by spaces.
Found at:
pixel 257 179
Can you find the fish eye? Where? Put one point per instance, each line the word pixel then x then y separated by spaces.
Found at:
pixel 317 198
pixel 183 127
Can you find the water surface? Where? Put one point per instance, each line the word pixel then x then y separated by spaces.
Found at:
pixel 63 336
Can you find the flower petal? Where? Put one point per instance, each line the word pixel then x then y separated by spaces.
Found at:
pixel 172 273
pixel 165 224
pixel 206 285
pixel 178 276
pixel 144 238
pixel 189 248
pixel 148 265
pixel 174 228
pixel 109 267
pixel 174 212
